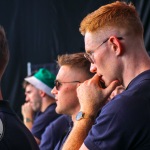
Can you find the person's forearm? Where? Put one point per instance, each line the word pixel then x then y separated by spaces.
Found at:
pixel 27 113
pixel 28 123
pixel 78 134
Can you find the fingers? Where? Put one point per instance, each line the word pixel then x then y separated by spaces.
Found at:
pixel 26 107
pixel 99 81
pixel 111 87
pixel 96 77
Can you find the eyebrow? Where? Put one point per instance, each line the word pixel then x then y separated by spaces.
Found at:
pixel 93 49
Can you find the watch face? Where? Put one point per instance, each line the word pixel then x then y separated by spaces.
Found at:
pixel 79 115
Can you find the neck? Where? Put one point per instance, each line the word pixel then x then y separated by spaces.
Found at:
pixel 46 101
pixel 140 63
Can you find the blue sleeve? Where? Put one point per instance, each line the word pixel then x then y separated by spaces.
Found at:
pixel 103 133
pixel 121 125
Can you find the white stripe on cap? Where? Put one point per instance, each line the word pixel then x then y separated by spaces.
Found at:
pixel 39 85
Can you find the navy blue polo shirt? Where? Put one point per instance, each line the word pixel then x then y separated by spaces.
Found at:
pixel 13 133
pixel 65 135
pixel 54 133
pixel 124 122
pixel 43 119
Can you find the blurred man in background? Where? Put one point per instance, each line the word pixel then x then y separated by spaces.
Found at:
pixel 40 100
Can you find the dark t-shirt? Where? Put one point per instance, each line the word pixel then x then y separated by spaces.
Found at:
pixel 54 132
pixel 124 122
pixel 13 133
pixel 65 135
pixel 43 119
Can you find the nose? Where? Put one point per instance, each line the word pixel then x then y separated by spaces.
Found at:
pixel 54 90
pixel 93 68
pixel 27 98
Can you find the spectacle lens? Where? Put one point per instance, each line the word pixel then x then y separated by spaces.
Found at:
pixel 89 56
pixel 57 84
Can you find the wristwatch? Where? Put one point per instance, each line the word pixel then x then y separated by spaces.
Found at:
pixel 82 115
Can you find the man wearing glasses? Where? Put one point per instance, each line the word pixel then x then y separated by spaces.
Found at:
pixel 115 47
pixel 73 70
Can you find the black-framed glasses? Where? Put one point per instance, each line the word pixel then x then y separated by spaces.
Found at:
pixel 89 56
pixel 58 83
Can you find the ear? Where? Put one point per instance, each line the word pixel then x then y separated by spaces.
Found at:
pixel 42 93
pixel 116 45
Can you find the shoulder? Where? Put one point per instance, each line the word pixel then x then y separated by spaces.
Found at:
pixel 10 127
pixel 126 106
pixel 57 127
pixel 61 123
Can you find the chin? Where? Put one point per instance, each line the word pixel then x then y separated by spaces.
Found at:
pixel 107 82
pixel 58 111
pixel 36 108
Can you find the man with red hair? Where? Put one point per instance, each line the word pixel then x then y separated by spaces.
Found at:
pixel 114 45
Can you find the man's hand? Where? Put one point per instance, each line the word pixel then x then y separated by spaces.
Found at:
pixel 27 110
pixel 27 113
pixel 92 96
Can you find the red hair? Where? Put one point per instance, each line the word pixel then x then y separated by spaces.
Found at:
pixel 116 14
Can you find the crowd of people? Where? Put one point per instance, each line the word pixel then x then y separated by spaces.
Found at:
pixel 99 99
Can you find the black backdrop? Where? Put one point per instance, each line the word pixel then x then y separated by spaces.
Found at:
pixel 39 30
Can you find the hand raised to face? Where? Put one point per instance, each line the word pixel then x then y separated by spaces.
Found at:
pixel 27 110
pixel 92 96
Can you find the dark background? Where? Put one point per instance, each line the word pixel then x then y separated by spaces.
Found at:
pixel 39 30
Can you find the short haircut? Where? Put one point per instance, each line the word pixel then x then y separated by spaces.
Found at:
pixel 117 14
pixel 4 51
pixel 76 60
